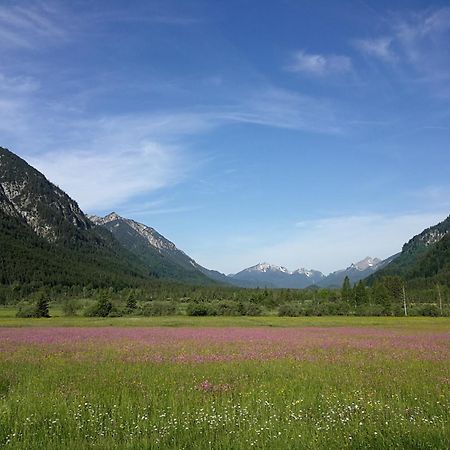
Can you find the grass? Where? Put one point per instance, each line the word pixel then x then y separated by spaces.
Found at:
pixel 381 384
pixel 8 319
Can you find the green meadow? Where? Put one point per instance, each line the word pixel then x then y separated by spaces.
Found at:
pixel 224 383
pixel 58 319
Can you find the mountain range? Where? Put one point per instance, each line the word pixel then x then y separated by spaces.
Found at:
pixel 267 275
pixel 153 248
pixel 45 238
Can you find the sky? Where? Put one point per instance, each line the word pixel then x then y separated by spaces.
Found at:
pixel 301 133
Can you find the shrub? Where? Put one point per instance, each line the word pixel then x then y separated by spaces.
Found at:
pixel 69 308
pixel 26 311
pixel 288 310
pixel 252 309
pixel 369 310
pixel 429 311
pixel 39 309
pixel 198 309
pixel 159 308
pixel 227 308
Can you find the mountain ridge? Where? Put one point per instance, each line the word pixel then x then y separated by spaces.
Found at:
pixel 47 239
pixel 266 275
pixel 418 252
pixel 152 248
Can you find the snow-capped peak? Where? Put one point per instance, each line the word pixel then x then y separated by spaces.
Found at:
pixel 307 272
pixel 266 267
pixel 366 263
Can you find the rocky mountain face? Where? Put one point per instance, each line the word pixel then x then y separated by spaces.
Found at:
pixel 45 238
pixel 153 248
pixel 25 193
pixel 423 256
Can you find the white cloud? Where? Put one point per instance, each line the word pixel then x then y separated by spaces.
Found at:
pixel 326 244
pixel 319 65
pixel 106 179
pixel 380 48
pixel 105 162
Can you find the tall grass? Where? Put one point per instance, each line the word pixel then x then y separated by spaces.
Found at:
pixel 82 395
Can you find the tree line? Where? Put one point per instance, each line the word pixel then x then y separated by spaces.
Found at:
pixel 388 296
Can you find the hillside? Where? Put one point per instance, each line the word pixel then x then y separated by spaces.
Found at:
pixel 424 259
pixel 45 238
pixel 153 249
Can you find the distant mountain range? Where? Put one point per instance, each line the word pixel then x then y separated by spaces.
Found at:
pixel 45 238
pixel 267 275
pixel 154 249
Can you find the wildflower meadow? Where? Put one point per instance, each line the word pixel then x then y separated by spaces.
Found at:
pixel 383 386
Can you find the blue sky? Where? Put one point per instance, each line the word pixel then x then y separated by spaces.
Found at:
pixel 302 133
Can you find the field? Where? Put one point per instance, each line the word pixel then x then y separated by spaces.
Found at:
pixel 224 383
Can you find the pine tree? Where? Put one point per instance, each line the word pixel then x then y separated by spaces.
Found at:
pixel 346 291
pixel 360 293
pixel 42 306
pixel 131 301
pixel 104 305
pixel 381 296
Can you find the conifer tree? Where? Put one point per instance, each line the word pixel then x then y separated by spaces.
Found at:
pixel 360 293
pixel 346 291
pixel 131 301
pixel 42 306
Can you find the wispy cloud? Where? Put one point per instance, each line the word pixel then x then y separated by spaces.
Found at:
pixel 32 24
pixel 17 85
pixel 281 108
pixel 107 179
pixel 28 24
pixel 103 180
pixel 104 162
pixel 379 47
pixel 417 42
pixel 319 65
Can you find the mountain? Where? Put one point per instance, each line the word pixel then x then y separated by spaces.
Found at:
pixel 45 238
pixel 424 257
pixel 267 275
pixel 153 249
pixel 434 266
pixel 355 272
